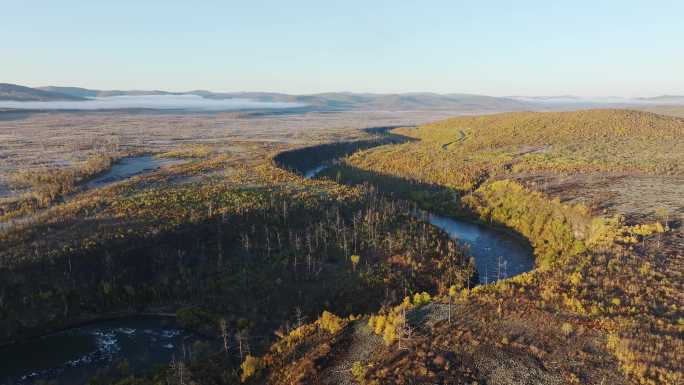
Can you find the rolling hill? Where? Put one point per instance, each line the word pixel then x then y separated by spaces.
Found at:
pixel 665 99
pixel 456 102
pixel 325 101
pixel 90 93
pixel 21 93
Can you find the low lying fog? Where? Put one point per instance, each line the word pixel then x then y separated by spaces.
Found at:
pixel 185 102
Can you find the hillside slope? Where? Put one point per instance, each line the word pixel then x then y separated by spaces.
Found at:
pixel 605 304
pixel 459 152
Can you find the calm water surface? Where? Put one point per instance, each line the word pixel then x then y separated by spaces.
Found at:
pixel 131 166
pixel 74 355
pixel 497 255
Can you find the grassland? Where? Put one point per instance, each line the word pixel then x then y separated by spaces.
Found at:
pixel 541 149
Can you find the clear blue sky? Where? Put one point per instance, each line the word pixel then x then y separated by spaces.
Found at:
pixel 588 48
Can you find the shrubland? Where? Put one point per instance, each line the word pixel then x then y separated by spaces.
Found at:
pixel 249 248
pixel 460 153
pixel 381 297
pixel 605 304
pixel 50 184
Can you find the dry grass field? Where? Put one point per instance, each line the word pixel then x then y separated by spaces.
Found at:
pixel 59 139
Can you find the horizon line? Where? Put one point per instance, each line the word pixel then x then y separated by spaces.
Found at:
pixel 558 95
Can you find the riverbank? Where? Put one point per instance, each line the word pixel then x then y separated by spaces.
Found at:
pixel 496 250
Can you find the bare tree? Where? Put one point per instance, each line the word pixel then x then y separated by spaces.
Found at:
pixel 299 317
pixel 663 214
pixel 223 327
pixel 219 242
pixel 177 367
pixel 404 331
pixel 242 336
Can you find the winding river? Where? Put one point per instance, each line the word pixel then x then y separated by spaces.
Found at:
pixel 498 255
pixel 72 356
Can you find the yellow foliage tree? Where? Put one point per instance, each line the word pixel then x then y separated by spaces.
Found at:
pixel 355 260
pixel 249 367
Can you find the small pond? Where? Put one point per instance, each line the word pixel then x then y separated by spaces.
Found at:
pixel 131 166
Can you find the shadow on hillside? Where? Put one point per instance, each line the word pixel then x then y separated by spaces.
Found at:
pixel 302 159
pixel 430 197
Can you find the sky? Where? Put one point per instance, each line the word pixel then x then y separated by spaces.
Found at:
pixel 586 48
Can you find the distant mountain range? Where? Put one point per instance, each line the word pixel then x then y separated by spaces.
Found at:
pixel 25 94
pixel 327 101
pixel 670 99
pixel 330 100
pixel 85 93
pixel 606 100
pixel 341 100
